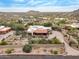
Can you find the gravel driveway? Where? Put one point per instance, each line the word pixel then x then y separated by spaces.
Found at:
pixel 69 50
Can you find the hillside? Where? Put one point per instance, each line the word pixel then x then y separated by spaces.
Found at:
pixel 70 15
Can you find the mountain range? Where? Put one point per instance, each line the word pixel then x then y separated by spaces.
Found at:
pixel 71 15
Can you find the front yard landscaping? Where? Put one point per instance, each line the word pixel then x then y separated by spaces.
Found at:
pixel 44 41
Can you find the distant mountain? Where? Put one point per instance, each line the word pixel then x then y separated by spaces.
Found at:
pixel 76 11
pixel 71 15
pixel 32 11
pixel 74 14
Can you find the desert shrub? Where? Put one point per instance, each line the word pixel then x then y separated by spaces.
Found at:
pixel 55 52
pixel 27 48
pixel 9 51
pixel 3 42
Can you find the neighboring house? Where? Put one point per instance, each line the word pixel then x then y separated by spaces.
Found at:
pixel 74 21
pixel 27 20
pixel 74 25
pixel 4 30
pixel 60 19
pixel 36 20
pixel 38 30
pixel 41 20
pixel 6 33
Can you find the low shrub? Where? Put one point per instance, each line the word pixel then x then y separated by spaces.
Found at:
pixel 27 48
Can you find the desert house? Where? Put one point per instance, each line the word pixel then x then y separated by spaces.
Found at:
pixel 6 32
pixel 38 30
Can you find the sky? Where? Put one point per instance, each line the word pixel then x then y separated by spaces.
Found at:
pixel 39 5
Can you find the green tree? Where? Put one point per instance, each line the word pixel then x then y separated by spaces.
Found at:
pixel 18 27
pixel 3 42
pixel 48 24
pixel 33 42
pixel 15 26
pixel 43 41
pixel 55 41
pixel 27 48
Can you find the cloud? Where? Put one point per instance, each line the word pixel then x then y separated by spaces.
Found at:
pixel 42 9
pixel 19 0
pixel 41 5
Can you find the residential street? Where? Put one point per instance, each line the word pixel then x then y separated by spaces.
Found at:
pixel 69 50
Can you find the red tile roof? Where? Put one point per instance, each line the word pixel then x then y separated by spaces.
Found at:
pixel 41 31
pixel 5 29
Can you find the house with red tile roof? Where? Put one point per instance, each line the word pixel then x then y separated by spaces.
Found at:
pixel 6 32
pixel 38 30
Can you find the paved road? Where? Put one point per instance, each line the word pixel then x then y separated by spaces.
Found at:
pixel 37 57
pixel 69 50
